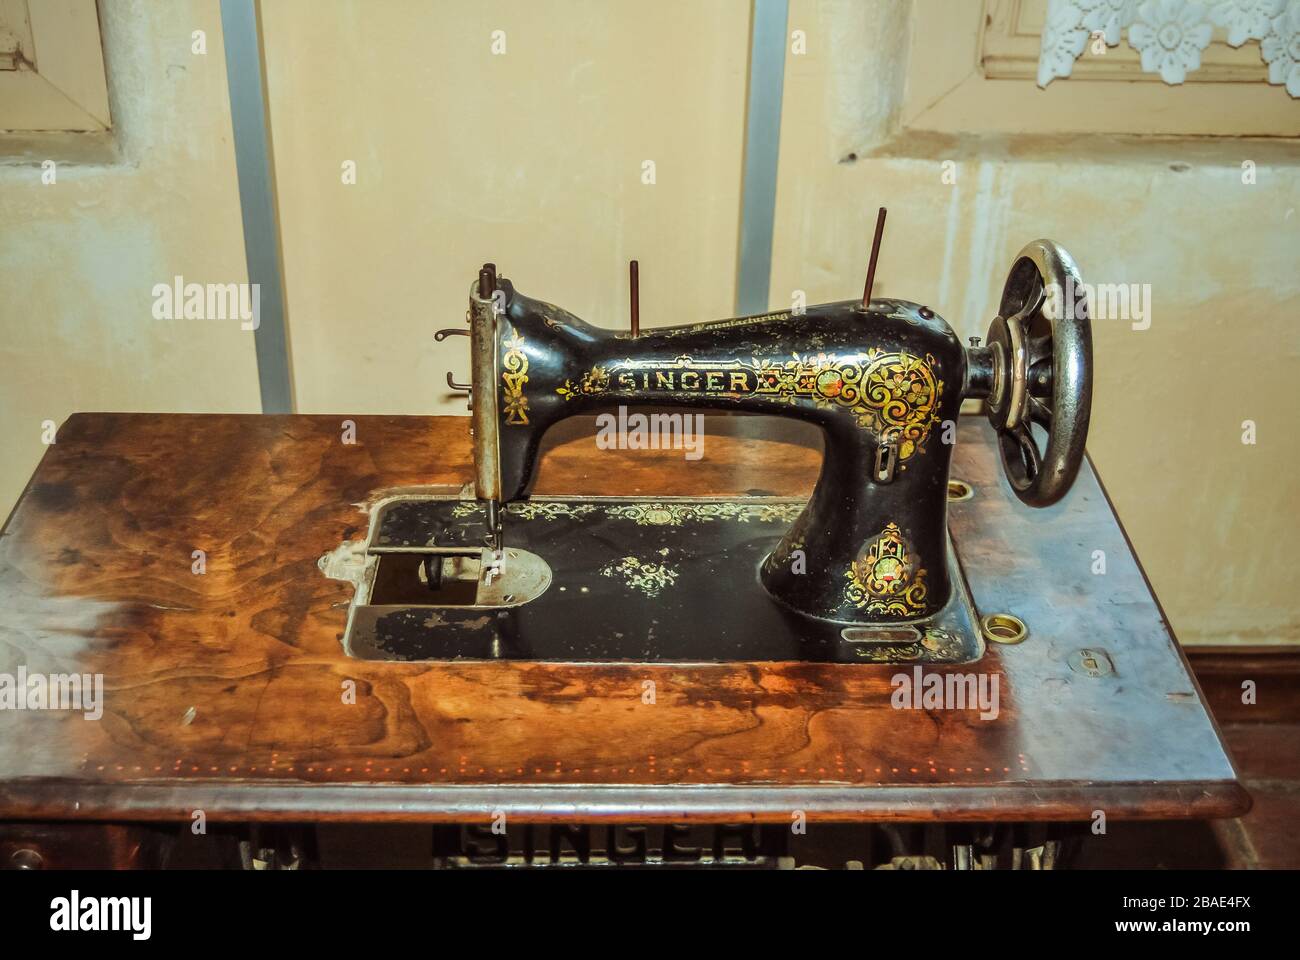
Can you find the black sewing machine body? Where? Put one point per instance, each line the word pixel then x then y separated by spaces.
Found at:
pixel 870 546
pixel 863 572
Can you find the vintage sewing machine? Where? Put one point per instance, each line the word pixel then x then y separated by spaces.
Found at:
pixel 289 629
pixel 864 571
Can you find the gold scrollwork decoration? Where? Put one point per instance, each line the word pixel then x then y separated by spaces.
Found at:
pixel 543 510
pixel 514 375
pixel 886 578
pixel 644 513
pixel 901 395
pixel 895 395
pixel 657 514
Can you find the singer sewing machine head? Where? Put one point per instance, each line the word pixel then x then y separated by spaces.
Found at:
pixel 863 571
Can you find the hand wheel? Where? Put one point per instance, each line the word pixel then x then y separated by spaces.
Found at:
pixel 1041 344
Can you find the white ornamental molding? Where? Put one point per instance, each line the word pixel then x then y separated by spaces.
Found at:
pixel 1170 34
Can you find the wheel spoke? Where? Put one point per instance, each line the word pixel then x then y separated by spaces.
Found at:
pixel 1028 450
pixel 1040 413
pixel 1031 307
pixel 1039 349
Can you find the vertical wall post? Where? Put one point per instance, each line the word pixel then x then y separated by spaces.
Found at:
pixel 762 148
pixel 253 159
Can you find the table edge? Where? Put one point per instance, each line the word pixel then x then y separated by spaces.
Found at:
pixel 45 799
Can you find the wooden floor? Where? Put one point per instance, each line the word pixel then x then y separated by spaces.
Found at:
pixel 1262 738
pixel 1263 839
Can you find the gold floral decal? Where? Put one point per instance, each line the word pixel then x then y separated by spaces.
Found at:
pixel 884 578
pixel 649 578
pixel 594 381
pixel 894 395
pixel 514 376
pixel 901 396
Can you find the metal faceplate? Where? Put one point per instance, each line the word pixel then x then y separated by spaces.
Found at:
pixel 631 580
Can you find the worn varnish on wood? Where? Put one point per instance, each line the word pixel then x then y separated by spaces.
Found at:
pixel 226 691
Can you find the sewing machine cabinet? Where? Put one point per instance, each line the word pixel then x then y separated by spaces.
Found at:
pixel 179 557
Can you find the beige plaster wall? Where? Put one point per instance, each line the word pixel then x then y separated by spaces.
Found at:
pixel 1214 521
pixel 79 257
pixel 532 159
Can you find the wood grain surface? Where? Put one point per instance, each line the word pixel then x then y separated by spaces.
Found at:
pixel 225 691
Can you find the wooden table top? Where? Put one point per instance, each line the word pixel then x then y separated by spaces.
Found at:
pixel 224 691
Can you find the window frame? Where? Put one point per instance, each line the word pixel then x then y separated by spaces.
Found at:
pixel 948 89
pixel 60 85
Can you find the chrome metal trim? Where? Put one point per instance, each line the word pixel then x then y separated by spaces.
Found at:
pixel 483 375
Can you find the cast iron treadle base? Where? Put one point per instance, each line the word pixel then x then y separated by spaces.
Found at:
pixel 668 580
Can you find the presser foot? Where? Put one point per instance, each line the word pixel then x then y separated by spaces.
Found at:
pixel 607 579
